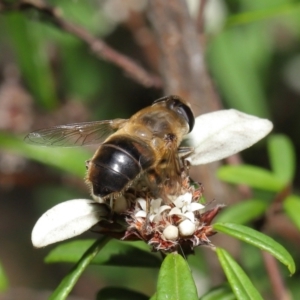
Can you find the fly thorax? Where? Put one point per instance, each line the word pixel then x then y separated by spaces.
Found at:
pixel 158 125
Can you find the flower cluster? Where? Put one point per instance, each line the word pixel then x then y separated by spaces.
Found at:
pixel 180 222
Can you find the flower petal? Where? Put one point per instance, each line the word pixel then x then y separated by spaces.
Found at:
pixel 66 220
pixel 175 211
pixel 155 204
pixel 195 206
pixel 222 133
pixel 182 199
pixel 163 208
pixel 141 214
pixel 190 215
pixel 157 217
pixel 142 203
pixel 154 218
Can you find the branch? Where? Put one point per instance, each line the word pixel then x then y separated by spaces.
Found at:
pixel 200 17
pixel 183 70
pixel 183 65
pixel 279 290
pixel 96 45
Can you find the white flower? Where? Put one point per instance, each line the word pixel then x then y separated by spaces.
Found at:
pixel 185 207
pixel 155 209
pixel 215 136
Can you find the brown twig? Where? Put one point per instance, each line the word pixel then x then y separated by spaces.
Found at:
pixel 244 190
pixel 279 289
pixel 182 61
pixel 184 73
pixel 144 38
pixel 200 16
pixel 96 45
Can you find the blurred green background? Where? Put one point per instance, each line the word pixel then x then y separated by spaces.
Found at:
pixel 48 77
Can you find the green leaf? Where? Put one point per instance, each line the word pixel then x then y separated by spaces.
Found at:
pixel 66 285
pixel 30 50
pixel 89 81
pixel 3 279
pixel 263 14
pixel 282 157
pixel 70 160
pixel 115 253
pixel 237 278
pixel 81 13
pixel 175 280
pixel 223 292
pixel 252 176
pixel 237 75
pixel 116 293
pixel 153 297
pixel 259 240
pixel 291 206
pixel 243 212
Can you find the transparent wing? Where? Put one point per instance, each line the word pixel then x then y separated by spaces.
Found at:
pixel 76 134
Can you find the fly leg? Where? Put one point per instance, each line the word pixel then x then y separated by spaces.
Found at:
pixel 184 153
pixel 111 202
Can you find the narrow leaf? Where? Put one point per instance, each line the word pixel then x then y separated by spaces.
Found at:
pixel 70 160
pixel 223 292
pixel 243 212
pixel 66 285
pixel 291 206
pixel 239 76
pixel 285 10
pixel 30 50
pixel 3 279
pixel 252 176
pixel 222 133
pixel 111 293
pixel 115 253
pixel 175 280
pixel 259 240
pixel 282 157
pixel 237 278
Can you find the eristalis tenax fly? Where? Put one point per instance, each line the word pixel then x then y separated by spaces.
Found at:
pixel 146 145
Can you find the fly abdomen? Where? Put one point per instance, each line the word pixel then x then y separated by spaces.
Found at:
pixel 117 163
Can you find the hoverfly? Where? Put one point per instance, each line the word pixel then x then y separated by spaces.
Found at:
pixel 147 144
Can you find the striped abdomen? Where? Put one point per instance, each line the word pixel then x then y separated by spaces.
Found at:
pixel 117 163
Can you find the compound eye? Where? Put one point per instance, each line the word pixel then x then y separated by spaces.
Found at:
pixel 185 112
pixel 176 104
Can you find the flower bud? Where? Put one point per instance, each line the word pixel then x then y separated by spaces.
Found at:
pixel 170 232
pixel 186 228
pixel 120 205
